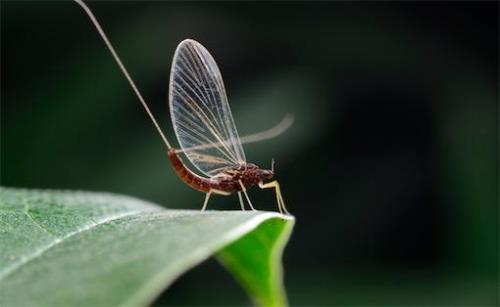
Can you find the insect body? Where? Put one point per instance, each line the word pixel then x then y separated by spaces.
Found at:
pixel 227 181
pixel 232 179
pixel 204 126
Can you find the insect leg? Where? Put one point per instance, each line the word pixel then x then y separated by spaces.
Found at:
pixel 279 198
pixel 210 193
pixel 241 201
pixel 206 200
pixel 246 195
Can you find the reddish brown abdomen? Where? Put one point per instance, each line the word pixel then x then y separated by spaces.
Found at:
pixel 191 179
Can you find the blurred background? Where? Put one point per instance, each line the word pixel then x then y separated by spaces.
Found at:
pixel 391 167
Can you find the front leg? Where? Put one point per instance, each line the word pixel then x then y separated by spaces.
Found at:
pixel 279 198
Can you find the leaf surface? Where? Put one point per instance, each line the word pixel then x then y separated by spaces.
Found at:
pixel 60 248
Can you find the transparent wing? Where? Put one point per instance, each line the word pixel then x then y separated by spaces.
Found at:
pixel 200 111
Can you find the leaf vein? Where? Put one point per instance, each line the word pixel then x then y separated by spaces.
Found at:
pixel 9 270
pixel 32 219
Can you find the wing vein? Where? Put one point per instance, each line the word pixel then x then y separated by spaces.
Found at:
pixel 196 109
pixel 200 63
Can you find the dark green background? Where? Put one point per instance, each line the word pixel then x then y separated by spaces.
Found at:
pixel 391 167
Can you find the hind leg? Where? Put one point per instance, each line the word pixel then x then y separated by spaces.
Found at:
pixel 209 193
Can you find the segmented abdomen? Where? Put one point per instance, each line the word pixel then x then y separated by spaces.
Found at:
pixel 197 182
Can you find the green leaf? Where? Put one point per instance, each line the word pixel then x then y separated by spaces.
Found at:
pixel 60 248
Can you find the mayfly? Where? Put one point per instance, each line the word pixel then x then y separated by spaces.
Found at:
pixel 204 126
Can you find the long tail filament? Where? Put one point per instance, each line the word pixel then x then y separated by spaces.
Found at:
pixel 123 69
